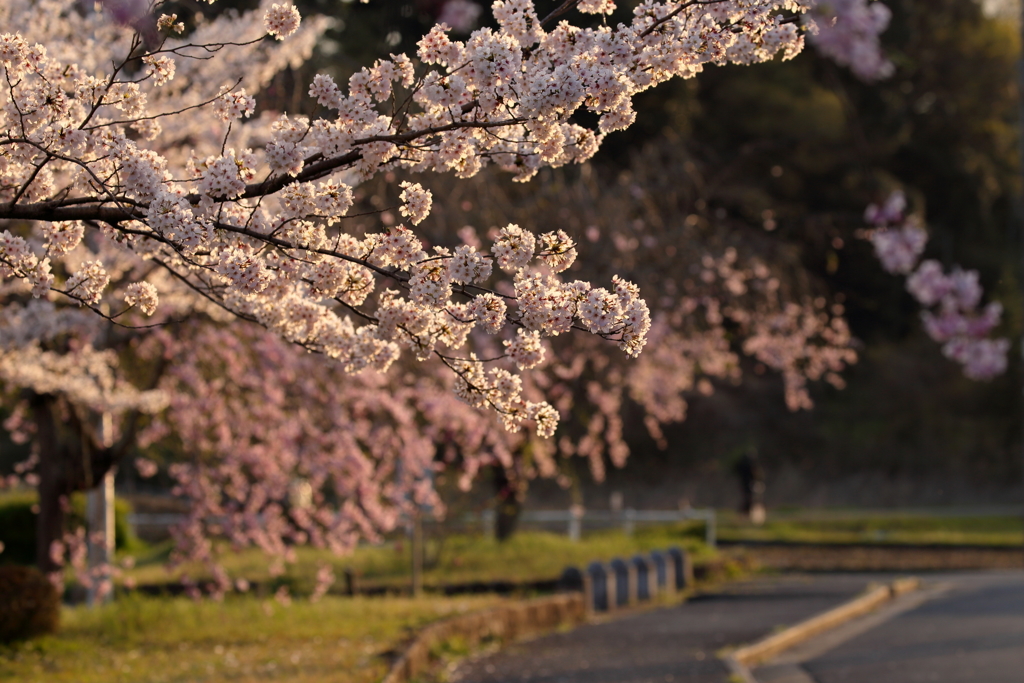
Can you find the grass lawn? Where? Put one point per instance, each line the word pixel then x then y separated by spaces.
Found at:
pixel 859 527
pixel 167 640
pixel 457 558
pixel 140 639
pixel 537 555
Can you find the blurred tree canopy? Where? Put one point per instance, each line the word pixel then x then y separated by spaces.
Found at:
pixel 798 149
pixel 806 146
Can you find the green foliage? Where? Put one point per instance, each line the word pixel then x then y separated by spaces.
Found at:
pixel 18 525
pixel 851 527
pixel 18 528
pixel 451 558
pixel 29 604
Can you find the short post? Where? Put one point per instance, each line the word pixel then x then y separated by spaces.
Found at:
pixel 575 523
pixel 682 566
pixel 417 555
pixel 645 588
pixel 572 579
pixel 601 593
pixel 671 582
pixel 629 522
pixel 625 582
pixel 487 522
pixel 661 571
pixel 351 582
pixel 710 531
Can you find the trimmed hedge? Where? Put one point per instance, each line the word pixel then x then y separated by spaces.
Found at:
pixel 29 604
pixel 18 528
pixel 18 525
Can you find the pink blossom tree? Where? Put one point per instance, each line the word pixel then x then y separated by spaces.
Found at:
pixel 135 181
pixel 720 295
pixel 292 450
pixel 253 218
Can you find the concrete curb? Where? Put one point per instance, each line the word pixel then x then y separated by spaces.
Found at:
pixel 507 622
pixel 740 661
pixel 514 622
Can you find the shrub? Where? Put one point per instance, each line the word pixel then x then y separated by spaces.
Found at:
pixel 18 526
pixel 29 604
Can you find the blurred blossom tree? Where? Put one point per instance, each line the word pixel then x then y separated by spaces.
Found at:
pixel 137 181
pixel 800 148
pixel 285 448
pixel 719 294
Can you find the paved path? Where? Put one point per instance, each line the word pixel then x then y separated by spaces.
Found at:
pixel 670 645
pixel 971 632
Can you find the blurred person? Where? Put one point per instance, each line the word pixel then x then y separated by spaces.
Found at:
pixel 751 476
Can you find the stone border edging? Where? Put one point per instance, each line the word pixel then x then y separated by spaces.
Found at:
pixel 508 622
pixel 740 660
pixel 541 615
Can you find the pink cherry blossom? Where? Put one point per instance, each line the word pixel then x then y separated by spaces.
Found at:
pixel 951 300
pixel 249 224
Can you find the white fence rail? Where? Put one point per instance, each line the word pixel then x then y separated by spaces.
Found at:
pixel 627 519
pixel 572 519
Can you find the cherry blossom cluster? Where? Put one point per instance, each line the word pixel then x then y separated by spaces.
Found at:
pixel 294 452
pixel 461 15
pixel 719 308
pixel 848 31
pixel 31 359
pixel 106 208
pixel 734 307
pixel 953 315
pixel 72 551
pixel 254 218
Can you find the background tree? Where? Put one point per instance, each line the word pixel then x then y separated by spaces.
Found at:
pixel 73 160
pixel 269 237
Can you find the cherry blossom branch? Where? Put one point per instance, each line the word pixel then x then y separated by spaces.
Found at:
pixel 952 316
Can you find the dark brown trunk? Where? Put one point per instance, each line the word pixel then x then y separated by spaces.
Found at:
pixel 69 461
pixel 52 484
pixel 508 504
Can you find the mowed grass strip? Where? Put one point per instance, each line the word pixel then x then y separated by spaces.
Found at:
pixel 141 639
pixel 169 640
pixel 835 527
pixel 453 559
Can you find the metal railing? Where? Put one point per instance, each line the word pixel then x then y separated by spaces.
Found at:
pixel 155 518
pixel 572 519
pixel 627 519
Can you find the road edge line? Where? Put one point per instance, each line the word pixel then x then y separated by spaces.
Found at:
pixel 740 660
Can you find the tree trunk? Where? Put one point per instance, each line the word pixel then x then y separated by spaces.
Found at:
pixel 70 459
pixel 508 504
pixel 52 484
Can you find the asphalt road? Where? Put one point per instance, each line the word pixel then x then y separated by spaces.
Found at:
pixel 668 645
pixel 972 632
